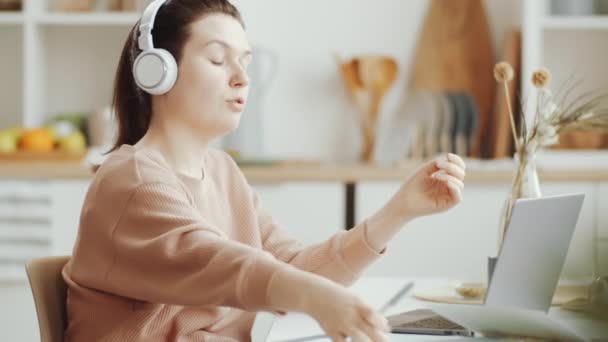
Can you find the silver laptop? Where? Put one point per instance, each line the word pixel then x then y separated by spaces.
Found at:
pixel 523 283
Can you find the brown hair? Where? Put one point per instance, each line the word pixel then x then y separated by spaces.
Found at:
pixel 133 106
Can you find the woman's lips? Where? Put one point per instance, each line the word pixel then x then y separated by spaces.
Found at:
pixel 236 105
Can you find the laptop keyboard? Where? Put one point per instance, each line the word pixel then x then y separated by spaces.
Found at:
pixel 436 322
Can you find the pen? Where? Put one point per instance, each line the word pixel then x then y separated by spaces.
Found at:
pixel 397 297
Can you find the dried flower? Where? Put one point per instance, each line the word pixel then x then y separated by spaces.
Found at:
pixel 547 134
pixel 503 72
pixel 554 114
pixel 547 110
pixel 548 141
pixel 541 77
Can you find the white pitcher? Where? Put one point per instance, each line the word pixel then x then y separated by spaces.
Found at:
pixel 248 139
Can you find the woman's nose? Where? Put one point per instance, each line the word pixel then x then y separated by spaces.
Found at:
pixel 240 79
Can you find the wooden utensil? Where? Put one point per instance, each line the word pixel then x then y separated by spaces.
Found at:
pixel 349 71
pixel 377 74
pixel 367 79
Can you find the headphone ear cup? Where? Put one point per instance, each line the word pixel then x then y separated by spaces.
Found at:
pixel 170 71
pixel 155 71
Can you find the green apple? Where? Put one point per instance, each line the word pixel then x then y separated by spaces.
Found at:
pixel 52 131
pixel 73 143
pixel 16 132
pixel 8 142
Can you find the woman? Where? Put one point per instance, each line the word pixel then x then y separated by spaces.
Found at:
pixel 173 244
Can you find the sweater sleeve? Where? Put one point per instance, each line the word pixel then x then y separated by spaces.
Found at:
pixel 342 258
pixel 164 252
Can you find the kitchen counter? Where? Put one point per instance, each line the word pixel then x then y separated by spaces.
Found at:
pixel 478 171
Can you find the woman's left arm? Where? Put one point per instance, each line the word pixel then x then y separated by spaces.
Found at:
pixel 435 187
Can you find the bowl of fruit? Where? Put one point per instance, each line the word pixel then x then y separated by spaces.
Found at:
pixel 58 140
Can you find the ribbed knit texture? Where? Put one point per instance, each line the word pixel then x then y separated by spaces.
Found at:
pixel 162 256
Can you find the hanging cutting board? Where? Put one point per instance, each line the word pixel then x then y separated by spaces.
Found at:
pixel 502 137
pixel 455 53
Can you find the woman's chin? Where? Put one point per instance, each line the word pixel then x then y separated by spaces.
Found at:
pixel 231 124
pixel 235 120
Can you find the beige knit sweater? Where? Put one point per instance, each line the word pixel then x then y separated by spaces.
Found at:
pixel 162 256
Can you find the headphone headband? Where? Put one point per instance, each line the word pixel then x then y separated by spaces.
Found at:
pixel 146 24
pixel 154 70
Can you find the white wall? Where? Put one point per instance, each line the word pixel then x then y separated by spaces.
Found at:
pixel 308 114
pixel 10 74
pixel 307 111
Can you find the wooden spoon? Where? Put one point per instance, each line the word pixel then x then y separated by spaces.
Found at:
pixel 377 75
pixel 349 71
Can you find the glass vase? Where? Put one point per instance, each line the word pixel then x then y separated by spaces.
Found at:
pixel 525 184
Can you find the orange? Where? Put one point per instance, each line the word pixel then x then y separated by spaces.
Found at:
pixel 36 140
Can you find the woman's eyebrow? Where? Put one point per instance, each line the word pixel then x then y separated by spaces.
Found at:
pixel 227 46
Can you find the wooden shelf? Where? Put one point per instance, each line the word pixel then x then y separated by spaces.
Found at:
pixel 593 22
pixel 308 171
pixel 88 19
pixel 54 156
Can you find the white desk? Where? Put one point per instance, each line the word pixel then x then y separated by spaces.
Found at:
pixel 376 291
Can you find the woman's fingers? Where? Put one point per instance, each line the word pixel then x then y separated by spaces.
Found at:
pixel 374 325
pixel 360 336
pixel 374 319
pixel 451 168
pixel 454 158
pixel 373 333
pixel 455 191
pixel 443 176
pixel 337 338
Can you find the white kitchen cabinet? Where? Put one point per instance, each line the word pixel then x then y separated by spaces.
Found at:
pixel 25 232
pixel 456 243
pixel 47 211
pixel 310 212
pixel 17 313
pixel 68 197
pixel 451 244
pixel 25 225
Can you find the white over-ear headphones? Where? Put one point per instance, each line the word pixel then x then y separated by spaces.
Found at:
pixel 154 70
